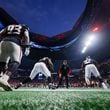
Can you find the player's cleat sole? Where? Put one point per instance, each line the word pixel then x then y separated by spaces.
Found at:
pixel 5 86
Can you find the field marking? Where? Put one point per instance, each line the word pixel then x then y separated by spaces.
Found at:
pixel 63 89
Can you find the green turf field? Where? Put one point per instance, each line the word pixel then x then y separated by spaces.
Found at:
pixel 55 100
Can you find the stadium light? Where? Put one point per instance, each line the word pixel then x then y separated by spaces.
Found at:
pixel 87 43
pixel 89 40
pixel 84 50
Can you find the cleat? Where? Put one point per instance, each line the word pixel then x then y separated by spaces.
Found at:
pixel 51 86
pixel 19 85
pixel 5 85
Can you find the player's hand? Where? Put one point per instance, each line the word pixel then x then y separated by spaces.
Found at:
pixel 27 51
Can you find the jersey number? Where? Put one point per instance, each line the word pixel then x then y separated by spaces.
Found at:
pixel 14 29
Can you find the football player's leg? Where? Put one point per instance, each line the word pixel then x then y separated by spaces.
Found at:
pixel 98 76
pixel 4 57
pixel 12 67
pixel 104 85
pixel 95 71
pixel 87 75
pixel 101 80
pixel 2 68
pixel 35 71
pixel 28 79
pixel 14 53
pixel 15 57
pixel 66 81
pixel 60 81
pixel 47 73
pixel 31 77
pixel 87 79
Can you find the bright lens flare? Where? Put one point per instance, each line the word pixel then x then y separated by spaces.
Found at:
pixel 88 42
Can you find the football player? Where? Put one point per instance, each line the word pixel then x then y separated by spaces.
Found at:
pixel 13 39
pixel 44 66
pixel 90 68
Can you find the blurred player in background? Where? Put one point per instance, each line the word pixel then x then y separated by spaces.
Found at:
pixel 45 66
pixel 63 72
pixel 89 66
pixel 13 38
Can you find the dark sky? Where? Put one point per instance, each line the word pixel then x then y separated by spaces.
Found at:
pixel 46 17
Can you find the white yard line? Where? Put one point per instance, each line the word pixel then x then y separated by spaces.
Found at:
pixel 74 89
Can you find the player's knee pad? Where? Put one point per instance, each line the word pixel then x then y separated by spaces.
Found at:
pixel 2 67
pixel 13 66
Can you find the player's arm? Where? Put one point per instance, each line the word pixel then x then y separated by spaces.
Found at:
pixel 26 42
pixel 26 39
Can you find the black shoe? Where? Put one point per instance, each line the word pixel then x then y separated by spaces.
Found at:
pixel 19 85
